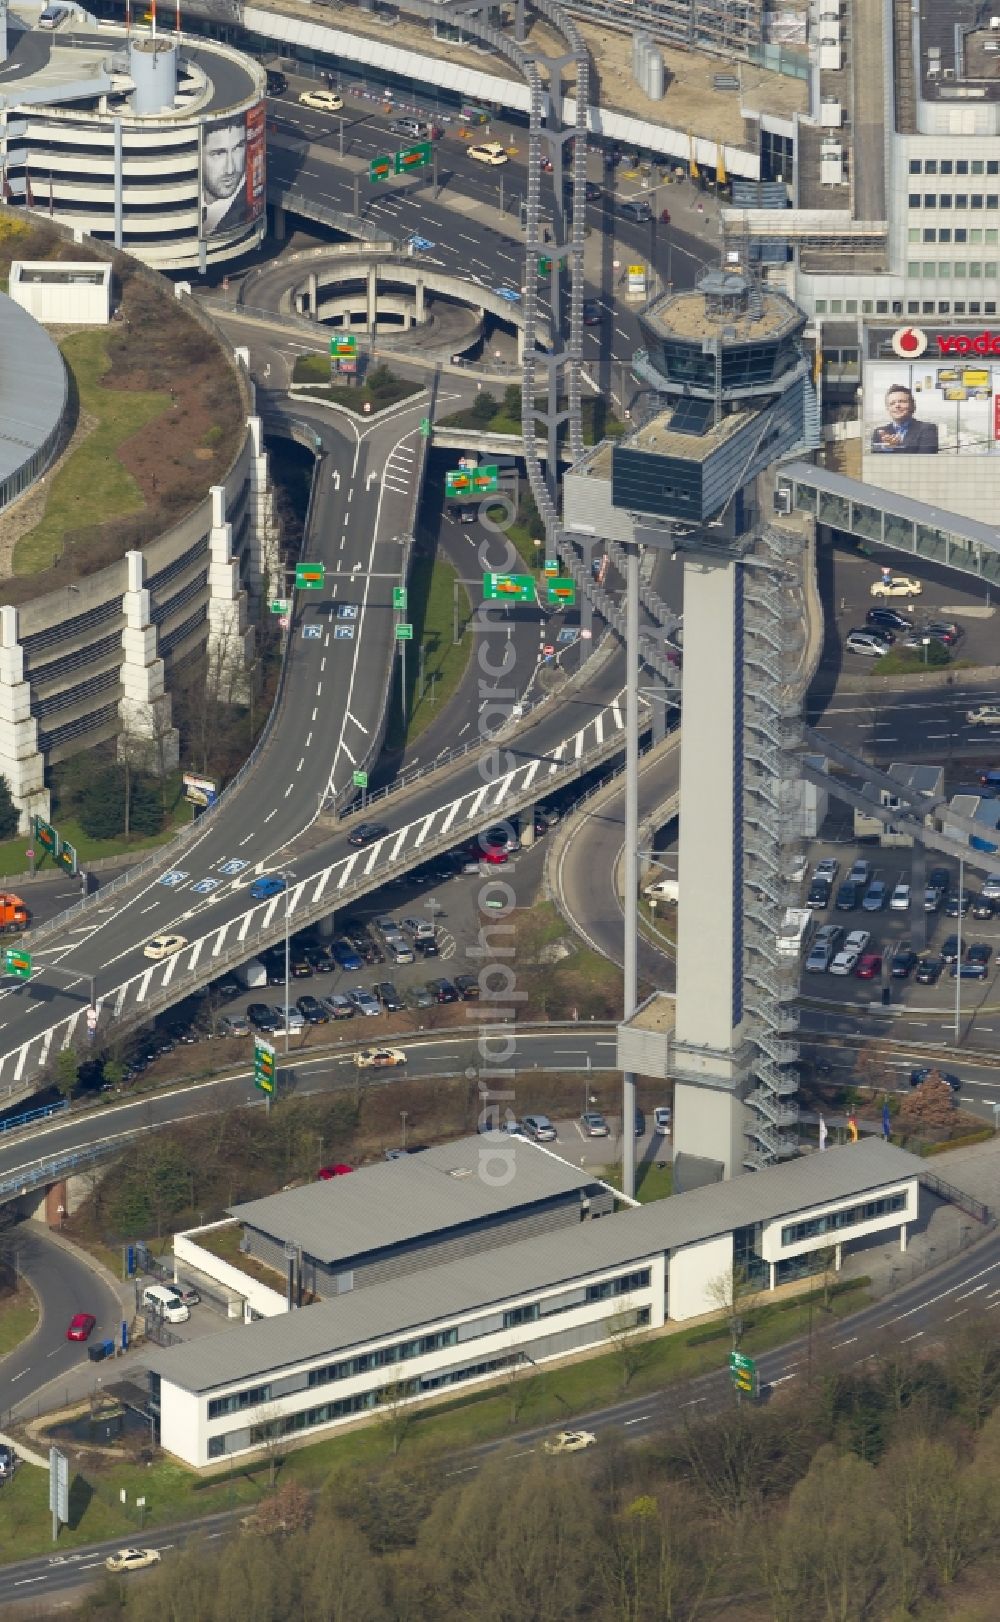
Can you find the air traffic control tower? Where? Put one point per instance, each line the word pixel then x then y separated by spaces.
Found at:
pixel 734 392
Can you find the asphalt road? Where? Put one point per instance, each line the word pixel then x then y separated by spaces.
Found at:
pixel 64 1285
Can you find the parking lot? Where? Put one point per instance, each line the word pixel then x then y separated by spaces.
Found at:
pixel 947 595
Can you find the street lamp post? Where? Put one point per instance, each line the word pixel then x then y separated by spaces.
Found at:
pixel 958 960
pixel 289 879
pixel 402 1115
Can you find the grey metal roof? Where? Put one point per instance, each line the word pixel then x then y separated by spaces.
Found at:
pixel 479 1282
pixel 418 1195
pixel 32 386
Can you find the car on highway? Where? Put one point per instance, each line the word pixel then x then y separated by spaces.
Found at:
pixel 917 1077
pixel 868 642
pixel 463 512
pixel 887 619
pixel 904 961
pixel 899 901
pixel 982 907
pixel 338 1006
pixel 81 1326
pixel 467 986
pixel 364 1002
pixel 539 1127
pixel 848 896
pixel 876 897
pixel 322 101
pixel 594 1125
pixel 312 1010
pixel 957 905
pixel 263 889
pixel 593 314
pixel 379 1058
pixel 162 946
pixel 290 1020
pixel 869 965
pixel 638 211
pixel 339 1168
pixel 984 715
pixel 442 990
pixel 388 996
pixel 366 833
pixel 489 152
pixel 928 971
pixel 276 83
pixel 847 958
pixel 261 1017
pixel 663 1117
pixel 949 949
pixel 413 129
pixel 819 894
pixel 990 779
pixel 568 1442
pixel 132 1559
pixel 346 957
pixel 896 585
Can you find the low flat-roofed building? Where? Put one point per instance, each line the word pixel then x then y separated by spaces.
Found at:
pixel 546 1297
pixel 57 292
pixel 927 780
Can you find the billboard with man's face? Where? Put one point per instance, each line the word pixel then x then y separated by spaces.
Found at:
pixel 232 171
pixel 933 406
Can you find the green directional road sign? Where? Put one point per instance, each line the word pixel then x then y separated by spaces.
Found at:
pixel 380 168
pixel 46 835
pixel 551 565
pixel 486 479
pixel 17 963
pixel 345 347
pixel 360 779
pixel 426 427
pixel 743 1372
pixel 399 598
pixel 263 1065
pixel 413 157
pixel 310 576
pixel 544 267
pixel 458 482
pixel 279 605
pixel 404 633
pixel 512 588
pixel 560 591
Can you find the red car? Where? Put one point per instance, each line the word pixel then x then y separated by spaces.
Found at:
pixel 869 966
pixel 81 1326
pixel 326 1172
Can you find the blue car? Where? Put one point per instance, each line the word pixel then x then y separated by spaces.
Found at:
pixel 263 889
pixel 346 957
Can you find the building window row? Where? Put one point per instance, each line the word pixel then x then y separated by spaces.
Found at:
pixel 236 1401
pixel 955 166
pixel 975 270
pixel 382 1357
pixel 958 199
pixel 849 1217
pixel 946 307
pixel 945 233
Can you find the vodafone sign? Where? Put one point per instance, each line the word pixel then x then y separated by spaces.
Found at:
pixel 909 343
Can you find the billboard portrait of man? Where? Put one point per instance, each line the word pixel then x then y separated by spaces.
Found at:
pixel 904 432
pixel 224 176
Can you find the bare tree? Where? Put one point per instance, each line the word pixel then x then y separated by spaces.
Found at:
pixel 734 1293
pixel 631 1343
pixel 395 1410
pixel 267 1433
pixel 522 1380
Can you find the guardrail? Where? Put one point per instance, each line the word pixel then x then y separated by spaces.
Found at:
pixel 957 1196
pixel 32 1115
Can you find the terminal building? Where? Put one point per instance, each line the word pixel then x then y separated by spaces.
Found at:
pixel 148 142
pixel 453 1317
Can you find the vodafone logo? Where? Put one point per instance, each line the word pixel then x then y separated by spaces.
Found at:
pixel 909 343
pixel 959 343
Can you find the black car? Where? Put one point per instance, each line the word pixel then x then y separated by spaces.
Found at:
pixel 640 1123
pixel 442 990
pixel 982 907
pixel 226 987
pixel 320 959
pixel 261 1017
pixel 366 833
pixel 819 894
pixel 929 971
pixel 958 905
pixel 949 949
pixel 311 1011
pixel 593 315
pixel 918 1076
pixel 274 964
pixel 943 631
pixel 277 84
pixel 300 964
pixel 979 952
pixel 848 896
pixel 939 878
pixel 388 996
pixel 903 964
pixel 887 619
pixel 463 512
pixel 427 948
pixel 467 986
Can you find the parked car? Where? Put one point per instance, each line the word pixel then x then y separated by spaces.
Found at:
pixel 320 959
pixel 366 833
pixel 819 894
pixel 896 585
pixel 427 947
pixel 917 1077
pixel 876 896
pixel 188 1295
pixel 276 84
pixel 364 1002
pixel 861 873
pixel 848 896
pixel 958 905
pixel 979 952
pixel 982 907
pixel 299 964
pixel 663 1117
pixel 346 957
pixel 991 887
pixel 899 901
pixel 442 990
pixel 640 1123
pixel 933 900
pixel 819 957
pixel 419 997
pixel 326 1174
pixel 338 1006
pixel 887 619
pixel 904 961
pixel 539 1127
pixel 489 152
pixel 312 1010
pixel 827 868
pixel 234 1025
pixel 869 965
pixel 594 1125
pixel 846 960
pixel 928 971
pixel 292 1021
pixel 81 1326
pixel 8 1461
pixel 943 631
pixel 949 949
pixel 467 986
pixel 388 996
pixel 868 642
pixel 261 1016
pixel 939 878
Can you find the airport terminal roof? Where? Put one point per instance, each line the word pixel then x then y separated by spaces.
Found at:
pixel 398 1201
pixel 475 1283
pixel 33 387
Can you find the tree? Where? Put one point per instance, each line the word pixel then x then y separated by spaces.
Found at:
pixel 832 1554
pixel 484 408
pixel 267 1433
pixel 288 1509
pixel 395 1410
pixel 735 1294
pixel 9 814
pixel 932 1104
pixel 521 1381
pixel 66 1072
pixel 631 1344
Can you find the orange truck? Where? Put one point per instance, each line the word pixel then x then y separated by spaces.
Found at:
pixel 14 915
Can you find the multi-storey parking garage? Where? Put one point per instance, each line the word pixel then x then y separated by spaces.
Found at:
pixel 146 142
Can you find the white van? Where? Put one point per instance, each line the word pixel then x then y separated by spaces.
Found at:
pixel 52 16
pixel 166 1303
pixel 252 974
pixel 663 890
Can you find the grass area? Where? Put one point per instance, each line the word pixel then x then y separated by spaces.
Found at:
pixel 489 415
pixel 654 1180
pixel 225 1243
pixel 430 610
pixel 92 485
pixel 521 534
pixel 379 390
pixel 18 1317
pixel 13 859
pixel 172 1493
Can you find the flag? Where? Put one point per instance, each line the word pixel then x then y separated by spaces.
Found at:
pixel 720 166
pixel 852 1127
pixel 886 1128
pixel 822 1133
